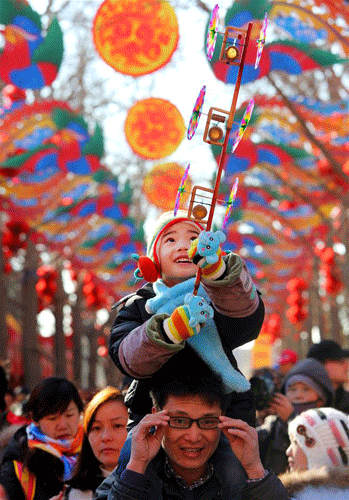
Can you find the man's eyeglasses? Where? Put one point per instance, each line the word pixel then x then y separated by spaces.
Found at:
pixel 186 423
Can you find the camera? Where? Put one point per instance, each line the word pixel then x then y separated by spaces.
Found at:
pixel 263 387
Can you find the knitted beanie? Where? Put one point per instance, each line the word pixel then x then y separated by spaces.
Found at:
pixel 323 435
pixel 306 381
pixel 166 220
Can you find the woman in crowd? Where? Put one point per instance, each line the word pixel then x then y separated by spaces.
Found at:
pixel 318 455
pixel 104 424
pixel 41 456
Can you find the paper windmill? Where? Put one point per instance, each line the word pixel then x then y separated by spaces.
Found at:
pixel 195 117
pixel 181 190
pixel 244 122
pixel 212 32
pixel 261 41
pixel 231 200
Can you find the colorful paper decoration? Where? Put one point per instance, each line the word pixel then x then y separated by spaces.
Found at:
pixel 181 190
pixel 28 59
pixel 154 128
pixel 195 117
pixel 230 202
pixel 135 37
pixel 261 40
pixel 244 122
pixel 160 185
pixel 28 126
pixel 212 32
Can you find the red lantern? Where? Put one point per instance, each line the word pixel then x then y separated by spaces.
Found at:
pixel 46 287
pixel 94 296
pixel 297 300
pixel 273 327
pixel 296 284
pixel 329 271
pixel 13 239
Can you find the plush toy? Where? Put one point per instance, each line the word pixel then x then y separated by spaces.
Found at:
pixel 183 307
pixel 209 244
pixel 199 310
pixel 206 252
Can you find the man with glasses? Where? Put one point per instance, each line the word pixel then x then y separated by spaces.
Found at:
pixel 173 448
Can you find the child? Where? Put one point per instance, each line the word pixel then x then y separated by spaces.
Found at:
pixel 307 385
pixel 318 455
pixel 154 324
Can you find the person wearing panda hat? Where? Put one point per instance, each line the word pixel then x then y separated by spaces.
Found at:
pixel 318 455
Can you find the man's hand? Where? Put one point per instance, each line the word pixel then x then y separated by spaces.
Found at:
pixel 282 406
pixel 146 444
pixel 243 441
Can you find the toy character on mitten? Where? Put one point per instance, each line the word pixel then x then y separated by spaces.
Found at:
pixel 186 320
pixel 206 252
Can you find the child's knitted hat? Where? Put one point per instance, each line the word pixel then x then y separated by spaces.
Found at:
pixel 323 435
pixel 149 266
pixel 166 220
pixel 310 382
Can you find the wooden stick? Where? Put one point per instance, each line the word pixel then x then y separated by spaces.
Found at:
pixel 225 145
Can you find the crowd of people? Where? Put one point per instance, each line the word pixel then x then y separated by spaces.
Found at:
pixel 190 426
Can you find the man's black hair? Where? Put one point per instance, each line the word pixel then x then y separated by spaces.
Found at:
pixel 187 374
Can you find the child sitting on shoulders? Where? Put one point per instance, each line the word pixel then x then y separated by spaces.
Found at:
pixel 164 319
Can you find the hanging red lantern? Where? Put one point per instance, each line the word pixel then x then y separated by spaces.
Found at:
pixel 329 271
pixel 94 294
pixel 296 284
pixel 297 300
pixel 273 327
pixel 296 315
pixel 46 287
pixel 13 239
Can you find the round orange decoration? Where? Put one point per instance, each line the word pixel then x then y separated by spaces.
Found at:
pixel 154 128
pixel 135 37
pixel 161 184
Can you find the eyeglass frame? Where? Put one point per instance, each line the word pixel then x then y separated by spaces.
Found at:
pixel 192 420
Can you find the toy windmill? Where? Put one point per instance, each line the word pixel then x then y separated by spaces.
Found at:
pixel 219 122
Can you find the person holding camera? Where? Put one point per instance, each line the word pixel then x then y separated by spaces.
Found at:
pixel 307 385
pixel 265 382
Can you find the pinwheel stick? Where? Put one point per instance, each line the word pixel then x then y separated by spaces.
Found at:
pixel 230 122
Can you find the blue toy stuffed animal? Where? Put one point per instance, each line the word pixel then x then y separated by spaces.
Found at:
pixel 208 245
pixel 199 310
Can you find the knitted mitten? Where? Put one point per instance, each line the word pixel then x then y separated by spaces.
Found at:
pixel 206 252
pixel 186 320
